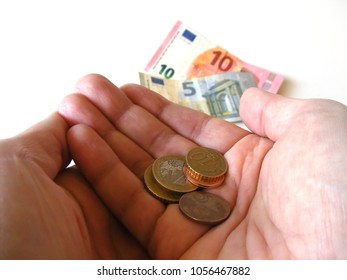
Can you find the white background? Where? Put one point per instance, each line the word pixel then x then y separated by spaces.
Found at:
pixel 46 46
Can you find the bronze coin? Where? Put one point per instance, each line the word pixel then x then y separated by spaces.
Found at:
pixel 204 207
pixel 168 171
pixel 157 190
pixel 201 182
pixel 205 167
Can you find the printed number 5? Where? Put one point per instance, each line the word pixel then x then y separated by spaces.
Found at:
pixel 189 88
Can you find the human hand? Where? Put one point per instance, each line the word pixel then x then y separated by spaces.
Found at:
pixel 48 211
pixel 289 202
pixel 286 181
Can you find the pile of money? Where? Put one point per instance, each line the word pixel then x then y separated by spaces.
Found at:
pixel 176 179
pixel 190 70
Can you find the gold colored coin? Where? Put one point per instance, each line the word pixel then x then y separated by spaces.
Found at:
pixel 205 167
pixel 157 190
pixel 168 171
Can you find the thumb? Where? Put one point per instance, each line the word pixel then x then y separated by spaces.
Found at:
pixel 268 114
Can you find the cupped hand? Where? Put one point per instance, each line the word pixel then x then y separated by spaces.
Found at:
pixel 286 181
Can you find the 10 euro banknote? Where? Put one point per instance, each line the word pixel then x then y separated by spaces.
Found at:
pixel 187 54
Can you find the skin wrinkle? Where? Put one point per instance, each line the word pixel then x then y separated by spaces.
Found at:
pixel 344 218
pixel 247 251
pixel 65 157
pixel 283 246
pixel 60 178
pixel 197 130
pixel 216 249
pixel 231 224
pixel 162 108
pixel 204 233
pixel 262 118
pixel 243 213
pixel 124 114
pixel 161 136
pixel 25 153
pixel 290 236
pixel 265 120
pixel 267 210
pixel 154 250
pixel 249 158
pixel 159 109
pixel 173 132
pixel 124 213
pixel 245 210
pixel 84 112
pixel 235 241
pixel 116 139
pixel 250 228
pixel 323 231
pixel 93 89
pixel 134 197
pixel 329 222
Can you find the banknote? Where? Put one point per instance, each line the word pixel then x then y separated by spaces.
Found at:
pixel 217 95
pixel 187 54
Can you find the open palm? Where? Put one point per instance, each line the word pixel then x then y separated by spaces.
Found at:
pixel 286 181
pixel 288 201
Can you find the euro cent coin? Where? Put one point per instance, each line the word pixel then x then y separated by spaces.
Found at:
pixel 157 190
pixel 204 207
pixel 168 171
pixel 205 167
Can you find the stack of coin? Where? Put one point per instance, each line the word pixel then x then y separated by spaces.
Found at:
pixel 165 179
pixel 205 167
pixel 175 179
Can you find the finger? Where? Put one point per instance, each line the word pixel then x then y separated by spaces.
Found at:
pixel 44 144
pixel 267 114
pixel 132 156
pixel 134 121
pixel 109 238
pixel 76 108
pixel 196 126
pixel 118 187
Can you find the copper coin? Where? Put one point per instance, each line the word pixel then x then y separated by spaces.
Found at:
pixel 202 183
pixel 206 167
pixel 204 207
pixel 168 171
pixel 157 190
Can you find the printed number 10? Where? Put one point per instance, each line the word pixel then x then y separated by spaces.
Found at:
pixel 166 72
pixel 225 62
